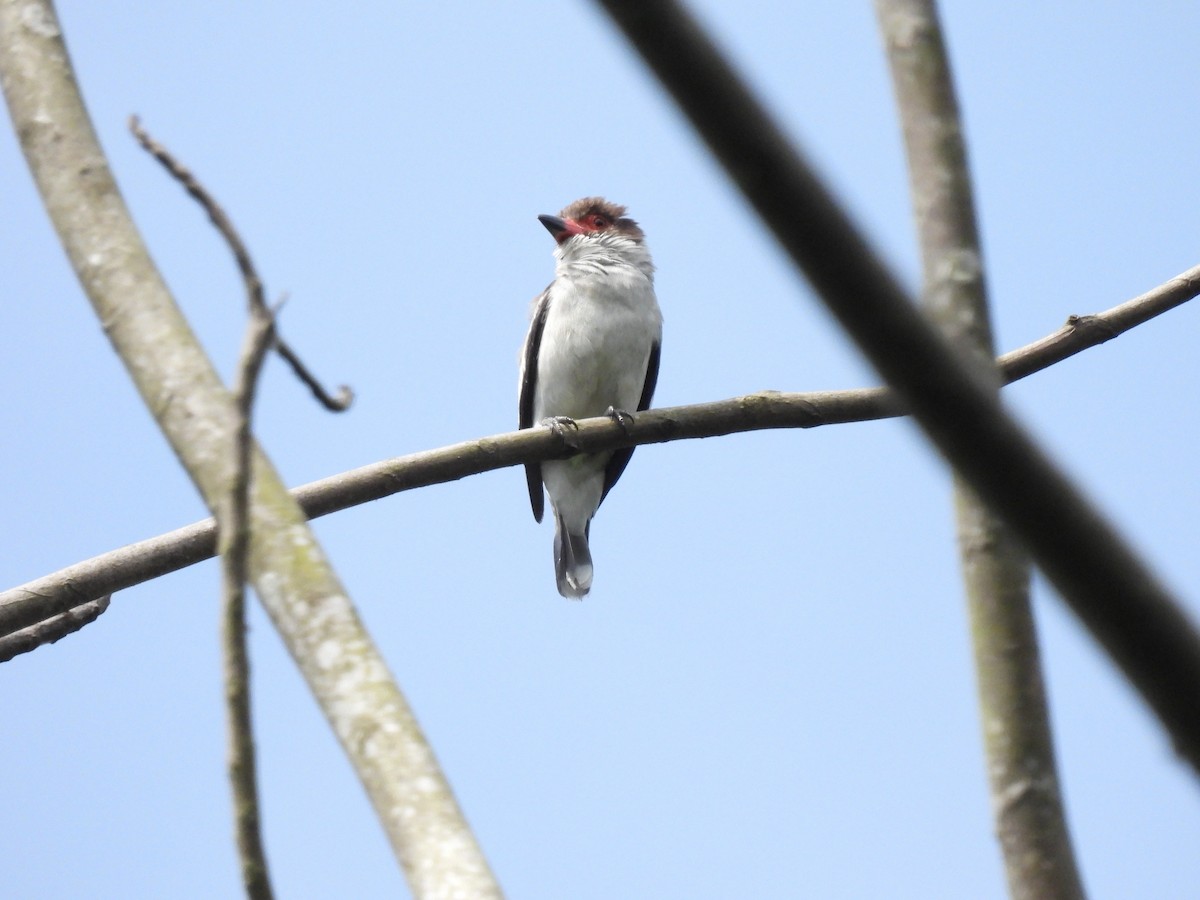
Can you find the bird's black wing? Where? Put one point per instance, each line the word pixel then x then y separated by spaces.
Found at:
pixel 529 366
pixel 620 458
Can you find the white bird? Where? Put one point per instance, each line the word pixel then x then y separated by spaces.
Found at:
pixel 592 350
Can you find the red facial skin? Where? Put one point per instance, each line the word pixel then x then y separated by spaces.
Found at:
pixel 590 223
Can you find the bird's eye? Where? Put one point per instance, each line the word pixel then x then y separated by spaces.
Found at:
pixel 599 222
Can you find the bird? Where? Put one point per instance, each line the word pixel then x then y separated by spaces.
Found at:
pixel 592 349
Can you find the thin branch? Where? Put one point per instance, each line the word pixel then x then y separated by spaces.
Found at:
pixel 52 629
pixel 235 536
pixel 1038 856
pixel 339 403
pixel 1116 595
pixel 184 176
pixel 1084 332
pixel 254 287
pixel 291 576
pixel 119 569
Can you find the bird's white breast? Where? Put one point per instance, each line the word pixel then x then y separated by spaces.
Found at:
pixel 601 323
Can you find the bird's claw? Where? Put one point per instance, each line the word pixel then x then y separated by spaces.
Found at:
pixel 621 417
pixel 560 425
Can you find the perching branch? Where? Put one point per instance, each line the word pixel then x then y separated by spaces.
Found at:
pixel 70 588
pixel 291 576
pixel 1116 595
pixel 149 559
pixel 234 537
pixel 1031 826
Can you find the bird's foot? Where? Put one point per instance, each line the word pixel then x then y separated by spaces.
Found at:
pixel 564 427
pixel 621 417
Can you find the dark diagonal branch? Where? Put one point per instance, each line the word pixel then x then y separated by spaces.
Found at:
pixel 1038 857
pixel 1113 592
pixel 234 537
pixel 119 569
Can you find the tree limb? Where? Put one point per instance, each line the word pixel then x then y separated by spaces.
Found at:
pixel 1038 856
pixel 122 568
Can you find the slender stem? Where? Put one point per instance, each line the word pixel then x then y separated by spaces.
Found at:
pixel 1038 856
pixel 234 537
pixel 235 556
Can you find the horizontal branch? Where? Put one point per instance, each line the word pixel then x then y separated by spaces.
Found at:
pixel 54 594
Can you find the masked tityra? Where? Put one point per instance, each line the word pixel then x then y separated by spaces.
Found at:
pixel 592 350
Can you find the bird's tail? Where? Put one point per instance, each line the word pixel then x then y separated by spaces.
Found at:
pixel 572 561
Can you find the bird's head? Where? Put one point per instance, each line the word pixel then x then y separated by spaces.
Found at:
pixel 591 216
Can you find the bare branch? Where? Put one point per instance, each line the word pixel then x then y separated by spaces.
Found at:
pixel 340 403
pixel 1083 332
pixel 184 176
pixel 118 569
pixel 235 536
pixel 52 629
pixel 1114 593
pixel 254 285
pixel 1038 856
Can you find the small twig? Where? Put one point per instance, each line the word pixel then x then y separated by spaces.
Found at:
pixel 345 396
pixel 254 287
pixel 340 403
pixel 50 630
pixel 235 537
pixel 184 176
pixel 116 570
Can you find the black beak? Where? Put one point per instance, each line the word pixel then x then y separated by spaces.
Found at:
pixel 554 225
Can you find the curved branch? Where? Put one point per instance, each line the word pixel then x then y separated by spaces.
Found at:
pixel 116 570
pixel 1038 856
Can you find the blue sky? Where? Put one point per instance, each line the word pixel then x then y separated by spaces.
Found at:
pixel 769 691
